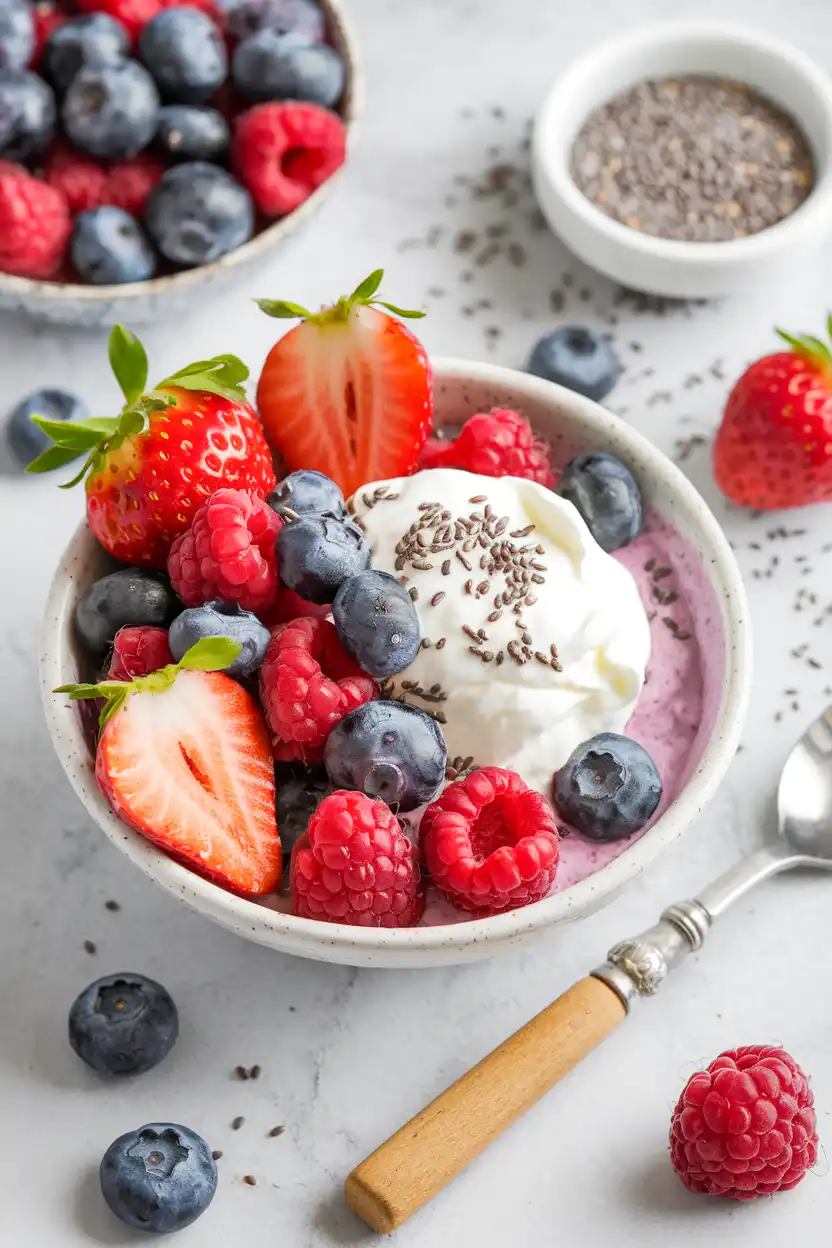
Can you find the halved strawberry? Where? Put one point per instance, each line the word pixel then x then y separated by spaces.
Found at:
pixel 349 391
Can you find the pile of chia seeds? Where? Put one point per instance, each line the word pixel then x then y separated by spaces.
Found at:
pixel 693 159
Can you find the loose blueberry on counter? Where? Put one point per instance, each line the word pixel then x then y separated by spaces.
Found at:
pixel 608 787
pixel 17 34
pixel 129 596
pixel 577 358
pixel 297 800
pixel 604 491
pixel 185 53
pixel 24 439
pixel 317 553
pixel 271 66
pixel 307 492
pixel 197 213
pixel 27 115
pixel 158 1179
pixel 377 623
pixel 185 132
pixel 109 247
pixel 123 1024
pixel 111 110
pixel 92 39
pixel 246 17
pixel 389 751
pixel 222 619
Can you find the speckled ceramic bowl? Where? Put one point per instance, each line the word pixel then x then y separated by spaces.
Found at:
pixel 163 297
pixel 572 423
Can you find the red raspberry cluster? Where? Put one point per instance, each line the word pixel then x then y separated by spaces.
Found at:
pixel 499 443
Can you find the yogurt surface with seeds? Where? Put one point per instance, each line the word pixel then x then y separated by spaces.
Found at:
pixel 533 638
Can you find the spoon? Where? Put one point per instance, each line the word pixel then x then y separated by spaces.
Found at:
pixel 430 1150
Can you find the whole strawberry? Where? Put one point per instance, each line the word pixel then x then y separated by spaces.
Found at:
pixel 151 468
pixel 774 447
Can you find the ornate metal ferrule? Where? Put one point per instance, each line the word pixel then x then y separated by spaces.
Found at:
pixel 637 967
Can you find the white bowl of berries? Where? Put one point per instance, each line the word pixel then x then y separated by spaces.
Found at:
pixel 150 149
pixel 422 699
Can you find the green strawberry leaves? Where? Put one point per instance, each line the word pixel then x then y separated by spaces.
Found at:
pixel 814 350
pixel 223 375
pixel 128 360
pixel 282 310
pixel 211 654
pixel 364 295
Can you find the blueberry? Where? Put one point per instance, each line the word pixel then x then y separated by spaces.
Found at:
pixel 605 493
pixel 185 132
pixel 110 110
pixel 577 358
pixel 389 751
pixel 17 34
pixel 129 596
pixel 94 39
pixel 197 212
pixel 221 619
pixel 307 492
pixel 377 623
pixel 302 17
pixel 109 247
pixel 317 553
pixel 25 441
pixel 271 66
pixel 185 53
pixel 123 1024
pixel 158 1179
pixel 608 787
pixel 27 115
pixel 297 801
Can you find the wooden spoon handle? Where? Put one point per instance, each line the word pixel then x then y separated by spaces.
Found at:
pixel 424 1155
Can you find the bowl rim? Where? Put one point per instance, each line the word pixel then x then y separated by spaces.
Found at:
pixel 315 938
pixel 551 165
pixel 343 36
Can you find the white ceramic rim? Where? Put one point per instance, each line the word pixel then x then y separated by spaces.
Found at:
pixel 306 936
pixel 551 155
pixel 343 37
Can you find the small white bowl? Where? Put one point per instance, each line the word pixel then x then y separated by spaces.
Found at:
pixel 573 424
pixel 660 266
pixel 141 303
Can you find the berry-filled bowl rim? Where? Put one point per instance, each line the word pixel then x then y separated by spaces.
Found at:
pixel 74 303
pixel 572 423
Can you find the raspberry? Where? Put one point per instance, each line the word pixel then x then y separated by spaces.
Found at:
pixel 290 606
pixel 133 14
pixel 499 443
pixel 79 178
pixel 129 182
pixel 284 151
pixel 307 685
pixel 34 224
pixel 138 651
pixel 745 1127
pixel 227 552
pixel 490 843
pixel 355 865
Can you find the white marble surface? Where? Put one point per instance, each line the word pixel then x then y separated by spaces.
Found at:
pixel 348 1055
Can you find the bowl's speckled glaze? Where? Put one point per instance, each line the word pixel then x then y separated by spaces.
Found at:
pixel 572 423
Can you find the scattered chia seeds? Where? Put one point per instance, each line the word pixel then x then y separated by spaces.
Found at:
pixel 275 1132
pixel 217 1153
pixel 112 906
pixel 90 948
pixel 237 1122
pixel 249 1180
pixel 694 159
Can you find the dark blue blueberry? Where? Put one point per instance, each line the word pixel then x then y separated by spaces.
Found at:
pixel 307 492
pixel 271 66
pixel 185 53
pixel 123 1024
pixel 605 493
pixel 17 34
pixel 608 787
pixel 94 39
pixel 27 115
pixel 221 619
pixel 24 439
pixel 109 247
pixel 317 553
pixel 110 110
pixel 302 17
pixel 577 358
pixel 158 1179
pixel 390 751
pixel 197 212
pixel 185 132
pixel 129 596
pixel 297 800
pixel 377 623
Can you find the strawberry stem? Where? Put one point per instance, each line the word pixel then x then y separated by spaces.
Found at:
pixel 364 295
pixel 813 350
